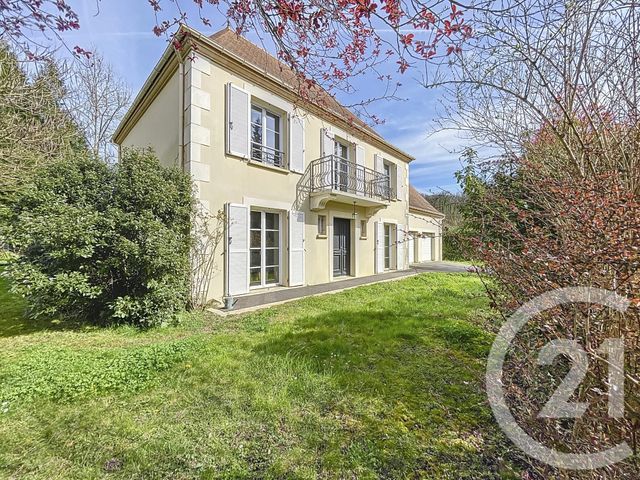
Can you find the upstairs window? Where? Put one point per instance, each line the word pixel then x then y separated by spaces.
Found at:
pixel 341 150
pixel 266 136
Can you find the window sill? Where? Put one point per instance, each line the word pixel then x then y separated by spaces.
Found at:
pixel 321 236
pixel 363 238
pixel 256 163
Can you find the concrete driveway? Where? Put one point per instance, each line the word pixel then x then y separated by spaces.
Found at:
pixel 440 267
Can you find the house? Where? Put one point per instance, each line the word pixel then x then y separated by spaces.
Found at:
pixel 311 194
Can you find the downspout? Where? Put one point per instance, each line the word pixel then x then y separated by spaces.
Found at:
pixel 181 110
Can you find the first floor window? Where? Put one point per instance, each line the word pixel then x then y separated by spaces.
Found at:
pixel 363 228
pixel 266 136
pixel 322 225
pixel 264 249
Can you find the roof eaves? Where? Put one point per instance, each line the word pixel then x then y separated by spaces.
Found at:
pixel 158 69
pixel 431 213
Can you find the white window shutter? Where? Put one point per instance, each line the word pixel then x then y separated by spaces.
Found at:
pixel 360 155
pixel 399 182
pixel 360 176
pixel 379 226
pixel 327 142
pixel 296 248
pixel 378 163
pixel 238 121
pixel 237 249
pixel 296 143
pixel 400 246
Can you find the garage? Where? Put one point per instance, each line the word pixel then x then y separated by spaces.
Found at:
pixel 411 247
pixel 425 249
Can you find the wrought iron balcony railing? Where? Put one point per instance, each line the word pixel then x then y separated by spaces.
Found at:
pixel 335 173
pixel 268 155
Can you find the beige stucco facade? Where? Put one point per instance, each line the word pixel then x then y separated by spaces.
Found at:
pixel 198 86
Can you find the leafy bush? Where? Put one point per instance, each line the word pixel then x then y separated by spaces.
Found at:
pixel 103 243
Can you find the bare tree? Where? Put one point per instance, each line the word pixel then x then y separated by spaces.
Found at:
pixel 326 44
pixel 553 86
pixel 552 63
pixel 97 99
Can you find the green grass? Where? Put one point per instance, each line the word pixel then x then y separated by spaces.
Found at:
pixel 383 381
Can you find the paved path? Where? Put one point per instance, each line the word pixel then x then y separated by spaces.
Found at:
pixel 285 294
pixel 441 267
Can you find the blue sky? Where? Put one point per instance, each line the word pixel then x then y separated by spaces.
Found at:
pixel 122 33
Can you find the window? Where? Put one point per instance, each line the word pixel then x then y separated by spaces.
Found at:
pixel 387 246
pixel 387 185
pixel 363 229
pixel 264 268
pixel 341 150
pixel 322 225
pixel 266 137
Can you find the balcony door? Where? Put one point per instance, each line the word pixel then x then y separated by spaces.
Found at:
pixel 341 247
pixel 340 166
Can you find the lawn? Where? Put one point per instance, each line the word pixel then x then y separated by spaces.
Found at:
pixel 382 381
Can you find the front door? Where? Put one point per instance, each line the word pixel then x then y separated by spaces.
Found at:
pixel 341 247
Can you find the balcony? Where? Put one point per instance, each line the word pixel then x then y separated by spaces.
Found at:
pixel 333 178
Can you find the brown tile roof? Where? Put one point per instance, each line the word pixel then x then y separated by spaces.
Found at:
pixel 261 59
pixel 419 203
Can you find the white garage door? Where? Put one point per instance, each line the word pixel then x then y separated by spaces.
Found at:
pixel 425 249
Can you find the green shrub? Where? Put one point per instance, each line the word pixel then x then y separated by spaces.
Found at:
pixel 456 245
pixel 103 243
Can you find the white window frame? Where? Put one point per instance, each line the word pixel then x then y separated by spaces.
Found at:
pixel 263 112
pixel 386 167
pixel 337 142
pixel 363 229
pixel 322 219
pixel 340 165
pixel 388 232
pixel 263 242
